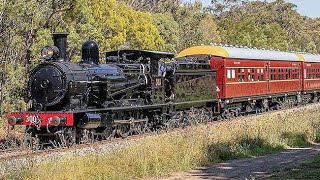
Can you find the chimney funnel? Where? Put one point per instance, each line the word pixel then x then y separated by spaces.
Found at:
pixel 60 41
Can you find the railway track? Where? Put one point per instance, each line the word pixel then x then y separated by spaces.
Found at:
pixel 16 159
pixel 21 153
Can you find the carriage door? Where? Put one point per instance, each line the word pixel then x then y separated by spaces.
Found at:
pixel 268 76
pixel 303 75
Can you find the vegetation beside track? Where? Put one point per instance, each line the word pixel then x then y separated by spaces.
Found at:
pixel 309 170
pixel 189 148
pixel 2 127
pixel 6 131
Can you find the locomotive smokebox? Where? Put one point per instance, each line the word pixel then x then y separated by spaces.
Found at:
pixel 60 41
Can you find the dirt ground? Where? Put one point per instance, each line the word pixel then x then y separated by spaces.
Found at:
pixel 259 167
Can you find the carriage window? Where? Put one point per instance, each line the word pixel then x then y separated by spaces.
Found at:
pixel 305 73
pixel 241 75
pixel 295 73
pixel 233 74
pixel 309 73
pixel 228 73
pixel 287 73
pixel 313 73
pixel 273 74
pixel 260 75
pixel 253 75
pixel 281 74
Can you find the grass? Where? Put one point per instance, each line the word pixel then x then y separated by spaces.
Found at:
pixel 296 139
pixel 240 149
pixel 183 150
pixel 308 170
pixel 3 127
pixel 6 131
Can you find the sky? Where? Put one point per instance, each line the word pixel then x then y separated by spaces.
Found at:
pixel 305 7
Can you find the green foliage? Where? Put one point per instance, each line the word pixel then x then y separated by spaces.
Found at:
pixel 110 24
pixel 317 138
pixel 248 33
pixel 274 25
pixel 244 147
pixel 155 6
pixel 195 27
pixel 209 29
pixel 169 31
pixel 295 139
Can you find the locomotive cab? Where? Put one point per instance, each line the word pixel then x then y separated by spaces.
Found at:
pixel 148 67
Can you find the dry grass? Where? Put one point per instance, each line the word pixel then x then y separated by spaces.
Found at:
pixel 183 150
pixel 7 131
pixel 3 127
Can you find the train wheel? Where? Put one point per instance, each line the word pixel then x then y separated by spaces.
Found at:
pixel 249 109
pixel 87 136
pixel 109 133
pixel 237 112
pixel 315 99
pixel 277 106
pixel 70 137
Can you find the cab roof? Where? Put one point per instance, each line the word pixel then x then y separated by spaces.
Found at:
pixel 134 54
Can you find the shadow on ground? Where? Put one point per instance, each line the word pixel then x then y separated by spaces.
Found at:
pixel 252 158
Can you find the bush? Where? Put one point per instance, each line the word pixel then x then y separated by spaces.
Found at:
pixel 241 148
pixel 317 138
pixel 294 140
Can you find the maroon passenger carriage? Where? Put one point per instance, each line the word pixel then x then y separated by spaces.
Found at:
pixel 257 80
pixel 311 74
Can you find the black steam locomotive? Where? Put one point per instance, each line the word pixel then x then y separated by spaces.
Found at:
pixel 132 92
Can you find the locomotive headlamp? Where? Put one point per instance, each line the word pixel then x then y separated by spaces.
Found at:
pixel 15 120
pixel 56 121
pixel 12 120
pixel 49 52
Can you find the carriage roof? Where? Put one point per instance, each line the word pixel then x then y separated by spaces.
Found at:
pixel 311 57
pixel 247 53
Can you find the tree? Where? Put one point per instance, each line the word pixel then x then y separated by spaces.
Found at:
pixel 279 24
pixel 155 6
pixel 195 26
pixel 210 31
pixel 111 24
pixel 169 31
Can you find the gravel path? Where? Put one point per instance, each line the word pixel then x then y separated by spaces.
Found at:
pixel 251 168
